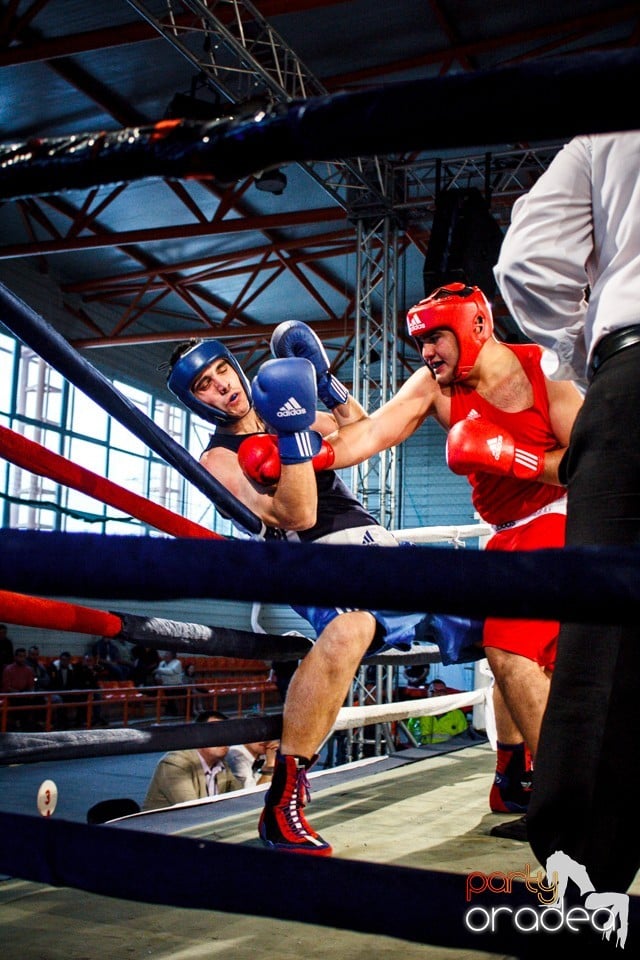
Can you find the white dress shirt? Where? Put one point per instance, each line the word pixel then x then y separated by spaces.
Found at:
pixel 169 673
pixel 241 762
pixel 210 776
pixel 579 225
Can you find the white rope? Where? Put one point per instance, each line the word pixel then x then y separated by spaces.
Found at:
pixel 453 534
pixel 349 717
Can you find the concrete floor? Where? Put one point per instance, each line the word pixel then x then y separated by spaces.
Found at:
pixel 431 814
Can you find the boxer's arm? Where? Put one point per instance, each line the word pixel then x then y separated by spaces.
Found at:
pixel 293 338
pixel 291 503
pixel 565 401
pixel 418 398
pixel 328 423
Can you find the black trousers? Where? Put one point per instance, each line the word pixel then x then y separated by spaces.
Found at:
pixel 583 801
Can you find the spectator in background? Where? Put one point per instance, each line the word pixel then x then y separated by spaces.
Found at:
pixel 442 726
pixel 183 775
pixel 253 763
pixel 87 679
pixel 6 648
pixel 107 660
pixel 189 678
pixel 17 677
pixel 145 663
pixel 64 679
pixel 124 659
pixel 42 680
pixel 40 672
pixel 168 674
pixel 415 675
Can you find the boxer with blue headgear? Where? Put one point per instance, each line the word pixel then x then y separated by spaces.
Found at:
pixel 190 365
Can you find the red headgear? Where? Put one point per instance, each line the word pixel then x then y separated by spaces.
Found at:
pixel 465 311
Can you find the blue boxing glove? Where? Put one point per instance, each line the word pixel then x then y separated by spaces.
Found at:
pixel 293 338
pixel 284 395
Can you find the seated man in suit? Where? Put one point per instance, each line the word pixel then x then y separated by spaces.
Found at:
pixel 191 774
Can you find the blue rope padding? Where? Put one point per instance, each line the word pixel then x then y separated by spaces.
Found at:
pixel 543 100
pixel 579 584
pixel 423 906
pixel 34 330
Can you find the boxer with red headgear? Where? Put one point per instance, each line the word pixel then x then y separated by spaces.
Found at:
pixel 508 427
pixel 462 309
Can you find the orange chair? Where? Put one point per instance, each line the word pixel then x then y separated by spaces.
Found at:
pixel 122 692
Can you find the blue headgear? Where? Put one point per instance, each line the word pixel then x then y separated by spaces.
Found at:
pixel 190 365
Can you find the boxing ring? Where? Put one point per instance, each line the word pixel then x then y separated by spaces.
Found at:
pixel 424 906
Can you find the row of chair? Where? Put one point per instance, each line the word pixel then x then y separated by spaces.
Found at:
pixel 120 702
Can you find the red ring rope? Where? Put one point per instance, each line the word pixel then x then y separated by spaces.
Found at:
pixel 57 615
pixel 37 459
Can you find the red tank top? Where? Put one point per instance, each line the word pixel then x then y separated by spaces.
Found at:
pixel 501 499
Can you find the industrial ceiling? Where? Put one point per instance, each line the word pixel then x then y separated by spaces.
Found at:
pixel 132 267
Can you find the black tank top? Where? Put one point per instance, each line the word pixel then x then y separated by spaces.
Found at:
pixel 338 509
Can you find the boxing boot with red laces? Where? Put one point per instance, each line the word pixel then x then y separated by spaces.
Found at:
pixel 283 825
pixel 511 788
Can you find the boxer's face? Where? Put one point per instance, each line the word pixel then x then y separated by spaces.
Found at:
pixel 440 352
pixel 218 385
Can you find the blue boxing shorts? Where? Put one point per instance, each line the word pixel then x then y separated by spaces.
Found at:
pixel 395 631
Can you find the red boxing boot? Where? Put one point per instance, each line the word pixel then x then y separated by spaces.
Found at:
pixel 283 825
pixel 511 788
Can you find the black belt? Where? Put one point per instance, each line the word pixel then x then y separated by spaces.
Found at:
pixel 613 343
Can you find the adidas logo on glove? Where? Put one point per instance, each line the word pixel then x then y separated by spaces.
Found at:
pixel 495 446
pixel 291 408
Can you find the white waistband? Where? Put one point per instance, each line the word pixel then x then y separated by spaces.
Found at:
pixel 556 506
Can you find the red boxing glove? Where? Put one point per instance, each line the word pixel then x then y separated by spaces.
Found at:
pixel 260 460
pixel 480 446
pixel 324 458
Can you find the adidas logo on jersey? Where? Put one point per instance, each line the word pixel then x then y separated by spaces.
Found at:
pixel 291 408
pixel 473 414
pixel 495 446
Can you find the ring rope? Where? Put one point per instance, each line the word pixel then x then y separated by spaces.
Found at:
pixel 424 906
pixel 73 744
pixel 528 101
pixel 452 532
pixel 193 638
pixel 57 615
pixel 579 584
pixel 37 459
pixel 349 717
pixel 34 331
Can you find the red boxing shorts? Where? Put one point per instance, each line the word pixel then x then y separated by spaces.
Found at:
pixel 534 639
